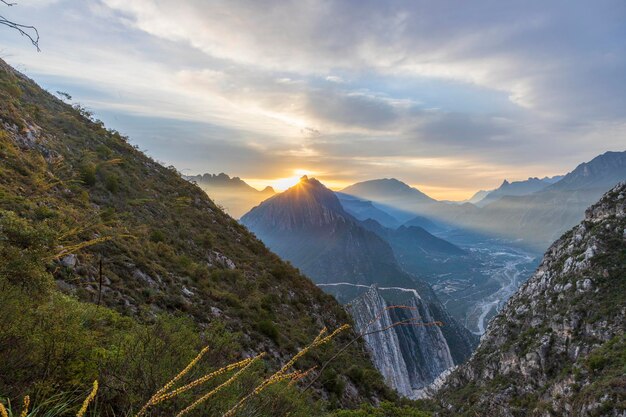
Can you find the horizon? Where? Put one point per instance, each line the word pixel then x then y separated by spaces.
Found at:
pixel 452 105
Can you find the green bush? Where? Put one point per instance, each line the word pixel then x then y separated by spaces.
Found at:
pixel 268 328
pixel 112 183
pixel 88 173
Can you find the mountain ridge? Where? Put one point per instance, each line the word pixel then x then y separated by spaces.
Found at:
pixel 555 348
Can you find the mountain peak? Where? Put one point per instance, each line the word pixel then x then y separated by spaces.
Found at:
pixel 387 190
pixel 305 203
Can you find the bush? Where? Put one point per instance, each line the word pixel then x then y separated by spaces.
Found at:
pixel 88 173
pixel 112 183
pixel 268 328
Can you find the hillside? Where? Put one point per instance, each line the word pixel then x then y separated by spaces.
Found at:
pixel 82 208
pixel 557 348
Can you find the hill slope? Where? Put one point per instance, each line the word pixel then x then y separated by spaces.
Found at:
pixel 557 348
pixel 133 235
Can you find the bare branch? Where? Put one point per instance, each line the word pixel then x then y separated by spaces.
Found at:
pixel 28 31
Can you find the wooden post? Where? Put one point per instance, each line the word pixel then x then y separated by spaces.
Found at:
pixel 100 280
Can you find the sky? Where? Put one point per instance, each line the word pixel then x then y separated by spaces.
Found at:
pixel 448 96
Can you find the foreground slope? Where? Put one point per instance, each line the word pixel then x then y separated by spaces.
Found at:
pixel 134 236
pixel 558 347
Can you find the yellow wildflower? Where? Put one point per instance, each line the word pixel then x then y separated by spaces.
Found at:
pixel 88 400
pixel 25 406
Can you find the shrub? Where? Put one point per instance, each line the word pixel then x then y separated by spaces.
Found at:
pixel 268 328
pixel 88 173
pixel 112 183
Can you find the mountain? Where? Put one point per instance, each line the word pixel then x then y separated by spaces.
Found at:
pixel 426 224
pixel 363 210
pixel 388 191
pixel 601 173
pixel 409 205
pixel 557 348
pixel 233 194
pixel 541 217
pixel 414 238
pixel 478 196
pixel 113 267
pixel 515 188
pixel 308 226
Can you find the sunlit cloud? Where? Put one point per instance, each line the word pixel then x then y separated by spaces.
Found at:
pixel 447 96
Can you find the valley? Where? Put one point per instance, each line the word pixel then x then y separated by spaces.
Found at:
pixel 474 303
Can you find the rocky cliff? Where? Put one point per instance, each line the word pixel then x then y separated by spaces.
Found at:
pixel 557 348
pixel 409 355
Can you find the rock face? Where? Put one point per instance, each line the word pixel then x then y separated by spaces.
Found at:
pixel 557 348
pixel 410 356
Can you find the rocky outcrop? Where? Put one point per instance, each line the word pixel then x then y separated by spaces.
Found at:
pixel 405 344
pixel 557 348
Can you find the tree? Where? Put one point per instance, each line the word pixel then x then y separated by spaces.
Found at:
pixel 25 30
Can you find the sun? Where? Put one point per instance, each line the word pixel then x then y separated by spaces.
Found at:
pixel 281 184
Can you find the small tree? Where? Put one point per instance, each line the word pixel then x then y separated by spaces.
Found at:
pixel 25 30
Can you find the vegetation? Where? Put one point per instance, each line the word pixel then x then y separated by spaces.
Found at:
pixel 113 268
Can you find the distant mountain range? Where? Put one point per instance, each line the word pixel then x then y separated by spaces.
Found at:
pixel 233 194
pixel 478 196
pixel 388 191
pixel 364 209
pixel 532 212
pixel 516 188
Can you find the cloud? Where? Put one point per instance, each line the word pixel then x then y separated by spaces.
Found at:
pixel 445 94
pixel 541 55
